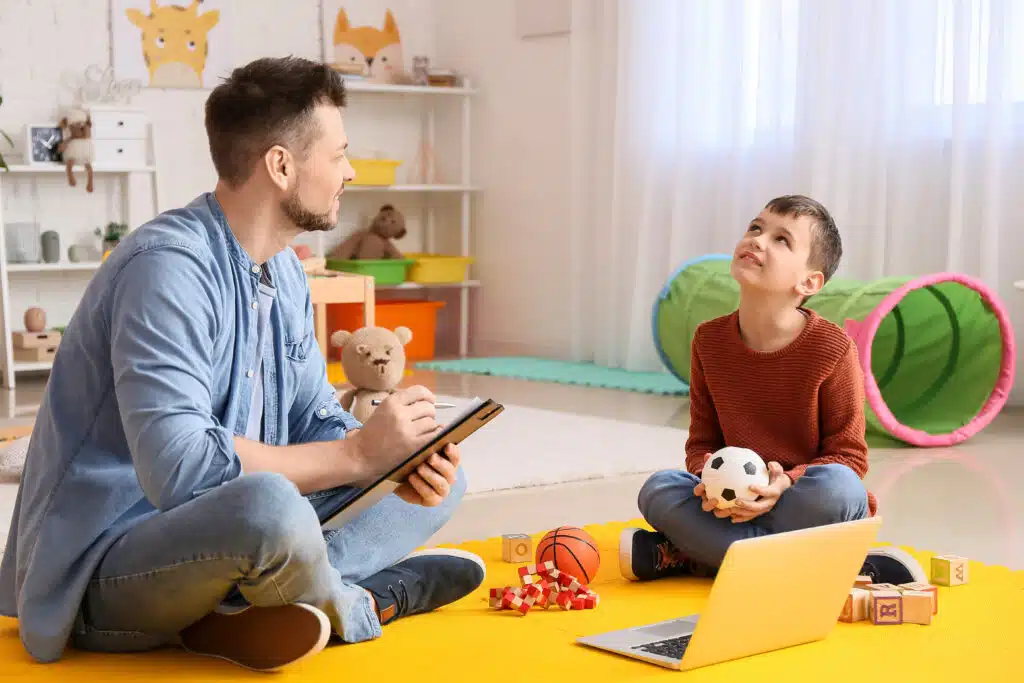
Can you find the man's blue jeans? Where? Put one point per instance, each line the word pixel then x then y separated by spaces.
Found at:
pixel 259 534
pixel 825 494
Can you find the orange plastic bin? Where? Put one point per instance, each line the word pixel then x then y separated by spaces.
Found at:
pixel 418 316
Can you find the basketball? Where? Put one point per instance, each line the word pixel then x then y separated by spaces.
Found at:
pixel 573 551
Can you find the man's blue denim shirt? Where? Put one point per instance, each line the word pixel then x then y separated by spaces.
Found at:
pixel 150 384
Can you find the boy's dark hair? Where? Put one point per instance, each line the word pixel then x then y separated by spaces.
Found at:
pixel 267 102
pixel 826 245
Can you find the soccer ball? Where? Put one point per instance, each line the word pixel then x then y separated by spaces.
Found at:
pixel 730 472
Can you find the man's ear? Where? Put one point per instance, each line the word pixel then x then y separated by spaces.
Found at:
pixel 280 166
pixel 811 284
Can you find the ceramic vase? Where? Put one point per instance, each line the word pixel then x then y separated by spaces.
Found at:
pixel 35 319
pixel 51 246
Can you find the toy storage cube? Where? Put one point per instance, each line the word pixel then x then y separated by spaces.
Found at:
pixel 375 171
pixel 438 268
pixel 418 316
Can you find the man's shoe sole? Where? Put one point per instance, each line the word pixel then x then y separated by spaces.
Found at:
pixel 260 638
pixel 626 553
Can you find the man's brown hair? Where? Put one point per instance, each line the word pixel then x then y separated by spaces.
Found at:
pixel 826 245
pixel 267 102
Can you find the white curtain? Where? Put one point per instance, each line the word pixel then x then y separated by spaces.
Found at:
pixel 904 117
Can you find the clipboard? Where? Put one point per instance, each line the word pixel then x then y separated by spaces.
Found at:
pixel 478 413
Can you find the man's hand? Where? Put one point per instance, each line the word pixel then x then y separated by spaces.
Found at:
pixel 778 482
pixel 400 425
pixel 432 481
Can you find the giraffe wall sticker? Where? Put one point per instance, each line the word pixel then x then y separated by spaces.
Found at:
pixel 169 43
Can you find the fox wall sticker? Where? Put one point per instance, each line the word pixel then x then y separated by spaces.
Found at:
pixel 367 50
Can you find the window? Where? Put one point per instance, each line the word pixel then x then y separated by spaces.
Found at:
pixel 970 49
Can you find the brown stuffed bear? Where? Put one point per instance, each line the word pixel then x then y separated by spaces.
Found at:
pixel 374 242
pixel 373 359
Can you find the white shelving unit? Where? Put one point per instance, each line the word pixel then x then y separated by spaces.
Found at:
pixel 464 188
pixel 9 321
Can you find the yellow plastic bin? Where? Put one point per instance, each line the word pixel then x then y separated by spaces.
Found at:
pixel 374 171
pixel 435 268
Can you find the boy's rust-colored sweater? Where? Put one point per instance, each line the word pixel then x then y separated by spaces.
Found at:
pixel 799 406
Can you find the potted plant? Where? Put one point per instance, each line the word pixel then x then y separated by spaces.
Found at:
pixel 3 164
pixel 112 235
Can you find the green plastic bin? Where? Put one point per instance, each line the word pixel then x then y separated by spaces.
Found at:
pixel 383 271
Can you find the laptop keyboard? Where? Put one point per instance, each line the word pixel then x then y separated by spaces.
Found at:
pixel 673 648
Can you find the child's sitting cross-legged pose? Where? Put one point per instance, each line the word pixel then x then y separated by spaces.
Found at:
pixel 777 378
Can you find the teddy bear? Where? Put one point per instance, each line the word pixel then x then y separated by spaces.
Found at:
pixel 374 242
pixel 76 145
pixel 373 359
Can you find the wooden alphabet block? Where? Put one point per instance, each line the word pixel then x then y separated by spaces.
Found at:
pixel 917 607
pixel 862 582
pixel 949 570
pixel 886 607
pixel 857 605
pixel 924 587
pixel 882 587
pixel 516 548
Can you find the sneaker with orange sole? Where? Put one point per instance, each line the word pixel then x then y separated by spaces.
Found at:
pixel 260 638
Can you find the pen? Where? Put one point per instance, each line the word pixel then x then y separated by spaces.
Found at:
pixel 377 402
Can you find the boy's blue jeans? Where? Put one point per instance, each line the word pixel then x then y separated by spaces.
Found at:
pixel 258 534
pixel 825 494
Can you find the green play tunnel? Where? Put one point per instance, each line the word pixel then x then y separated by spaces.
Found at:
pixel 937 352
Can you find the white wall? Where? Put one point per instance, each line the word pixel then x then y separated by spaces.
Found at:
pixel 45 44
pixel 521 159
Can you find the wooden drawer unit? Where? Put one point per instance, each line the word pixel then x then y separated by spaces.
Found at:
pixel 129 153
pixel 120 137
pixel 119 124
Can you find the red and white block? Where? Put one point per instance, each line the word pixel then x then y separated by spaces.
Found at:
pixel 542 585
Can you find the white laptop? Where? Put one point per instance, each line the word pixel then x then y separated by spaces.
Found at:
pixel 771 592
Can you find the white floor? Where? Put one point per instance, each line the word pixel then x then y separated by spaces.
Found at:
pixel 573 455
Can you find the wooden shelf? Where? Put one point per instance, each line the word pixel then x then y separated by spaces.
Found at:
pixel 410 188
pixel 467 284
pixel 59 168
pixel 365 86
pixel 24 366
pixel 51 267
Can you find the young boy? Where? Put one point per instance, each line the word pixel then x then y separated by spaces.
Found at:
pixel 776 378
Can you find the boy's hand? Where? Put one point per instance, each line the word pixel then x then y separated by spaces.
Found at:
pixel 709 504
pixel 778 482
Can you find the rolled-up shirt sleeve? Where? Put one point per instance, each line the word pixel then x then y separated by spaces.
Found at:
pixel 316 414
pixel 163 322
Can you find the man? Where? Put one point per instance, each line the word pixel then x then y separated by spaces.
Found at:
pixel 188 442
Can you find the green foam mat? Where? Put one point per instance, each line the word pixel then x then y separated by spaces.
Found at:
pixel 564 372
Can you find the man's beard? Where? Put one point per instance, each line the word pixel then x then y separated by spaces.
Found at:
pixel 303 218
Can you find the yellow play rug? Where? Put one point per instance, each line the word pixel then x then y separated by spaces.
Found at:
pixel 976 636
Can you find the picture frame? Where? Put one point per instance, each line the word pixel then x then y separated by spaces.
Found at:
pixel 41 144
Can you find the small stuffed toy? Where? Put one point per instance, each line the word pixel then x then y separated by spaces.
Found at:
pixel 374 242
pixel 373 359
pixel 76 144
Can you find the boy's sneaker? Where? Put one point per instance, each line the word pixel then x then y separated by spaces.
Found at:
pixel 424 581
pixel 646 555
pixel 260 638
pixel 889 564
